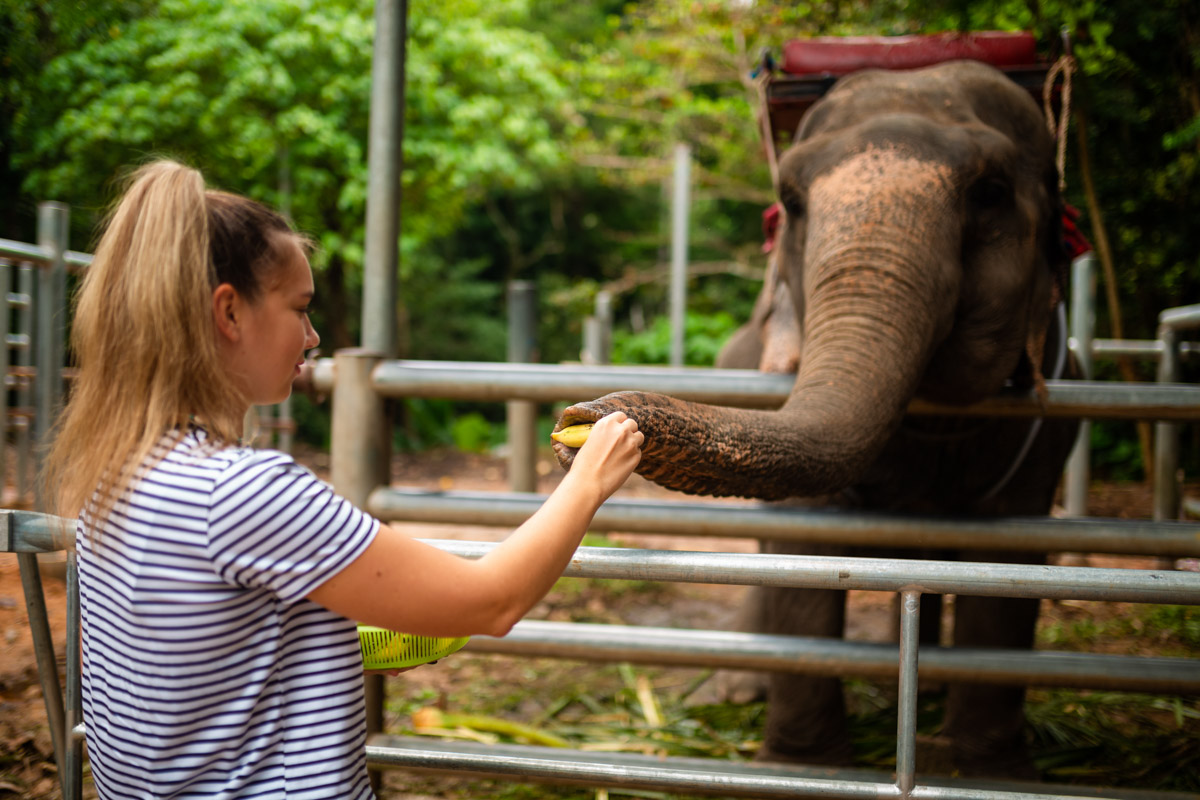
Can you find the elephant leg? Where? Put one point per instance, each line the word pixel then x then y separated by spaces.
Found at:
pixel 739 686
pixel 806 715
pixel 985 723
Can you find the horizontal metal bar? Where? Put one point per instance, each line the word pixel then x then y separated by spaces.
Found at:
pixel 19 300
pixel 17 341
pixel 872 574
pixel 549 383
pixel 1150 349
pixel 1181 317
pixel 571 767
pixel 34 253
pixel 709 776
pixel 34 532
pixel 822 656
pixel 23 251
pixel 76 260
pixel 790 523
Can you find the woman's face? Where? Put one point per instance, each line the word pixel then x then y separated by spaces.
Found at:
pixel 273 332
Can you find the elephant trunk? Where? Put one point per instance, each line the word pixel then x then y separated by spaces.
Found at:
pixel 879 295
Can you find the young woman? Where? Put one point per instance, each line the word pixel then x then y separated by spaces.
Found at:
pixel 220 585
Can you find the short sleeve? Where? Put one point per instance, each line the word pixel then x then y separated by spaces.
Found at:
pixel 273 524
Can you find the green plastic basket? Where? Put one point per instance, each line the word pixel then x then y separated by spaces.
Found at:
pixel 384 649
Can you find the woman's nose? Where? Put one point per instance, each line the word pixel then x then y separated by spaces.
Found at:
pixel 313 338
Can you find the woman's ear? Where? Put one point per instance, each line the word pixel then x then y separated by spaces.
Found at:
pixel 226 310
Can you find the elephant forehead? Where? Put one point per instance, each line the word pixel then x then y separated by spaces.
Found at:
pixel 881 178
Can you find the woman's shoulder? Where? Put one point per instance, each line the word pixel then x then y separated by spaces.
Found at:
pixel 235 465
pixel 248 464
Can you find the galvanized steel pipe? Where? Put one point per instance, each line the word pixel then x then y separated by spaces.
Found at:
pixel 51 321
pixel 679 774
pixel 522 414
pixel 679 647
pixel 549 383
pixel 791 523
pixel 906 715
pixel 560 767
pixel 360 461
pixel 385 155
pixel 1077 474
pixel 872 574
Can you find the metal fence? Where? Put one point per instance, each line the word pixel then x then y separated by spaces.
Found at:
pixel 33 320
pixel 33 281
pixel 1166 349
pixel 359 459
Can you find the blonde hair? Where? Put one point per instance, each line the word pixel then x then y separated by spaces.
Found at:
pixel 143 336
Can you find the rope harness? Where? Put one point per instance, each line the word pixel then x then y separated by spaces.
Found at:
pixel 1058 130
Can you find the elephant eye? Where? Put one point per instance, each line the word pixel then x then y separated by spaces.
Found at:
pixel 990 193
pixel 792 203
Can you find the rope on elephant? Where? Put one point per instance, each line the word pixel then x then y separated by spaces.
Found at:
pixel 764 120
pixel 1058 131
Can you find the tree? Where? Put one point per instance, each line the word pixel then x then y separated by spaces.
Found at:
pixel 270 99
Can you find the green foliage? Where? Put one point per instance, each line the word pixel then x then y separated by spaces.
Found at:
pixel 473 433
pixel 1116 739
pixel 423 424
pixel 312 421
pixel 703 336
pixel 1176 623
pixel 1116 454
pixel 272 100
pixel 455 314
pixel 538 139
pixel 1174 629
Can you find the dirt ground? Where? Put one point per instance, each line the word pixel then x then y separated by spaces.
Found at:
pixel 26 756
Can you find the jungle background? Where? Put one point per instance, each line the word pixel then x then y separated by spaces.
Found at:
pixel 538 138
pixel 537 146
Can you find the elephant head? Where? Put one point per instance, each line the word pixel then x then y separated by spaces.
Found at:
pixel 921 251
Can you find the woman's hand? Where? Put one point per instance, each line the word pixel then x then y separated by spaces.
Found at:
pixel 609 456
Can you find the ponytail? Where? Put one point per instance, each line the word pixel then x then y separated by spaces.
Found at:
pixel 143 334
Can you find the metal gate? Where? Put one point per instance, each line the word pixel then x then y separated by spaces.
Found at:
pixel 363 381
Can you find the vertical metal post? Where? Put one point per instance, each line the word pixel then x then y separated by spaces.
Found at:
pixel 597 332
pixel 72 781
pixel 26 283
pixel 360 460
pixel 5 360
pixel 1083 327
pixel 679 249
pixel 286 424
pixel 384 162
pixel 1166 434
pixel 906 724
pixel 53 219
pixel 604 320
pixel 522 414
pixel 43 648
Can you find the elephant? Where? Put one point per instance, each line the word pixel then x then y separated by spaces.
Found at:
pixel 919 256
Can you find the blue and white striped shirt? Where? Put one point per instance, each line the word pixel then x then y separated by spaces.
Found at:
pixel 206 672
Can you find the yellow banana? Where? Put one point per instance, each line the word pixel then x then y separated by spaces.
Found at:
pixel 573 435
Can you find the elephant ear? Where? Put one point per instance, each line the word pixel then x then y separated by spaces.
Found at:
pixel 1057 257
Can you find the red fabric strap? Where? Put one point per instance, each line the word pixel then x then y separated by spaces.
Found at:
pixel 840 55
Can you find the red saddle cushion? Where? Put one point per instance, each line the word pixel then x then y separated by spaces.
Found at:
pixel 840 55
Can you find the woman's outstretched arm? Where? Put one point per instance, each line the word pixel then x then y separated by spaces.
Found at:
pixel 403 584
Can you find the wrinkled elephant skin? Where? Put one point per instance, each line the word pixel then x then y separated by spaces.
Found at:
pixel 920 256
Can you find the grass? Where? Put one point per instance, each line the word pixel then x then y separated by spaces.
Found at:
pixel 1081 737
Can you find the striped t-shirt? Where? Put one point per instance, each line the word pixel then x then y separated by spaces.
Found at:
pixel 206 672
